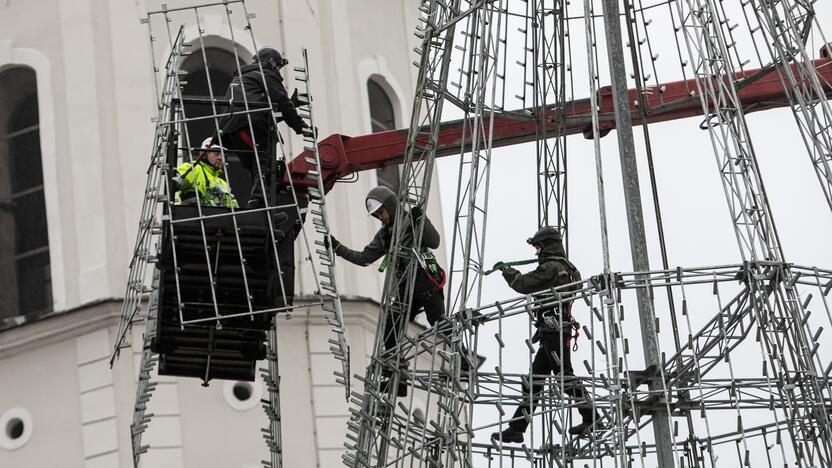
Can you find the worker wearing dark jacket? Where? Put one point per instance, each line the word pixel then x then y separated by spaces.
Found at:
pixel 553 321
pixel 382 203
pixel 255 89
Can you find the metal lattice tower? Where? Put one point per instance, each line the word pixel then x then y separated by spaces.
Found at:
pixel 377 430
pixel 685 398
pixel 680 399
pixel 215 281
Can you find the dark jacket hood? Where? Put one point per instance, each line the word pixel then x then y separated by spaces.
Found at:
pixel 551 249
pixel 387 198
pixel 250 67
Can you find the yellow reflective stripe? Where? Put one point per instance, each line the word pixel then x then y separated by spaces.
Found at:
pixel 205 181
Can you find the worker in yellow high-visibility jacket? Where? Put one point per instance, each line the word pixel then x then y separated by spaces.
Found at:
pixel 204 175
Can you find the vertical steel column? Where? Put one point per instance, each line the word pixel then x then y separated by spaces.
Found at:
pixel 374 423
pixel 635 216
pixel 549 62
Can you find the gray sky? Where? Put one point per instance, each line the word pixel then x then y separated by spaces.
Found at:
pixel 697 222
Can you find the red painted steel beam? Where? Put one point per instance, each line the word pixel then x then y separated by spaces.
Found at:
pixel 342 155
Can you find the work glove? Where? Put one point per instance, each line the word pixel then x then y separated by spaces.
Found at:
pixel 510 273
pixel 331 240
pixel 299 129
pixel 416 212
pixel 500 266
pixel 536 336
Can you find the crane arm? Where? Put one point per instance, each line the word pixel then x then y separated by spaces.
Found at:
pixel 342 155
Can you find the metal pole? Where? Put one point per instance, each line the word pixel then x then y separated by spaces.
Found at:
pixel 635 217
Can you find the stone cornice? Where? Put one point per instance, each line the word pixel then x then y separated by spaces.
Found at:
pixel 68 324
pixel 59 327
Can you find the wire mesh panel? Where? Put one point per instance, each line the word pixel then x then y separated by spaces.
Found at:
pixel 215 256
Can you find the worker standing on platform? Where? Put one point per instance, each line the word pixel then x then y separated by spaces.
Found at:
pixel 428 294
pixel 554 330
pixel 255 89
pixel 204 176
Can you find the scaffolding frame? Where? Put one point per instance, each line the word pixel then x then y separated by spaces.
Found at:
pixel 158 220
pixel 760 303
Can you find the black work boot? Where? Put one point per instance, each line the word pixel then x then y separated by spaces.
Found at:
pixel 586 426
pixel 466 365
pixel 510 435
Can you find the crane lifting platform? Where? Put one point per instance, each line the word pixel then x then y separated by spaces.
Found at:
pixel 218 277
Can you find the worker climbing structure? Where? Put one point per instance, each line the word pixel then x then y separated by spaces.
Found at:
pixel 688 366
pixel 679 399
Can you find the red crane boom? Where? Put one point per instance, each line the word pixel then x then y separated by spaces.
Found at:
pixel 342 155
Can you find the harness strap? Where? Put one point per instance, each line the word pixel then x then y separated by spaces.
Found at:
pixel 246 138
pixel 570 268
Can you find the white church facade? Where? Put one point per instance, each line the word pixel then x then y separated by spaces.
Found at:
pixel 76 101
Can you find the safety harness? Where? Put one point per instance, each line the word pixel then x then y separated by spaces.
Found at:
pixel 428 264
pixel 574 276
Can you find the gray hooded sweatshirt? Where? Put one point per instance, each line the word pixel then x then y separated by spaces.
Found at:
pixel 380 244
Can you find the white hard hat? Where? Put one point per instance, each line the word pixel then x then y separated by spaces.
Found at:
pixel 206 144
pixel 373 205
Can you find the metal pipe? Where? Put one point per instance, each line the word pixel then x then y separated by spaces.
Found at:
pixel 635 217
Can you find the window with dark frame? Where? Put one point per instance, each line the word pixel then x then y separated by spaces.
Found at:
pixel 26 289
pixel 383 118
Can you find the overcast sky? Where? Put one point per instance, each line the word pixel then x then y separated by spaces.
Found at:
pixel 697 222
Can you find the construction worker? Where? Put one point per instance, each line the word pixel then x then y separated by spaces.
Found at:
pixel 554 330
pixel 255 89
pixel 204 176
pixel 428 294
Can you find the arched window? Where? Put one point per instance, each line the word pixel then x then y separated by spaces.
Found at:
pixel 26 288
pixel 383 118
pixel 220 70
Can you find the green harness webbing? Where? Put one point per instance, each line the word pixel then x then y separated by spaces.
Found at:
pixel 573 323
pixel 384 262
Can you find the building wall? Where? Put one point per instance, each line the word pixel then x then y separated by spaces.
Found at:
pixel 96 100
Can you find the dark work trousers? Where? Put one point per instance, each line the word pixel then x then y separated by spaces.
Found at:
pixel 544 364
pixel 240 142
pixel 425 296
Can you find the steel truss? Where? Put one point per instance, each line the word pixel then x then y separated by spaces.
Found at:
pixel 778 412
pixel 774 301
pixel 760 306
pixel 691 389
pixel 549 58
pixel 374 436
pixel 786 26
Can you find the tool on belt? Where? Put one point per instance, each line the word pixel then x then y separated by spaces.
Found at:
pixel 428 264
